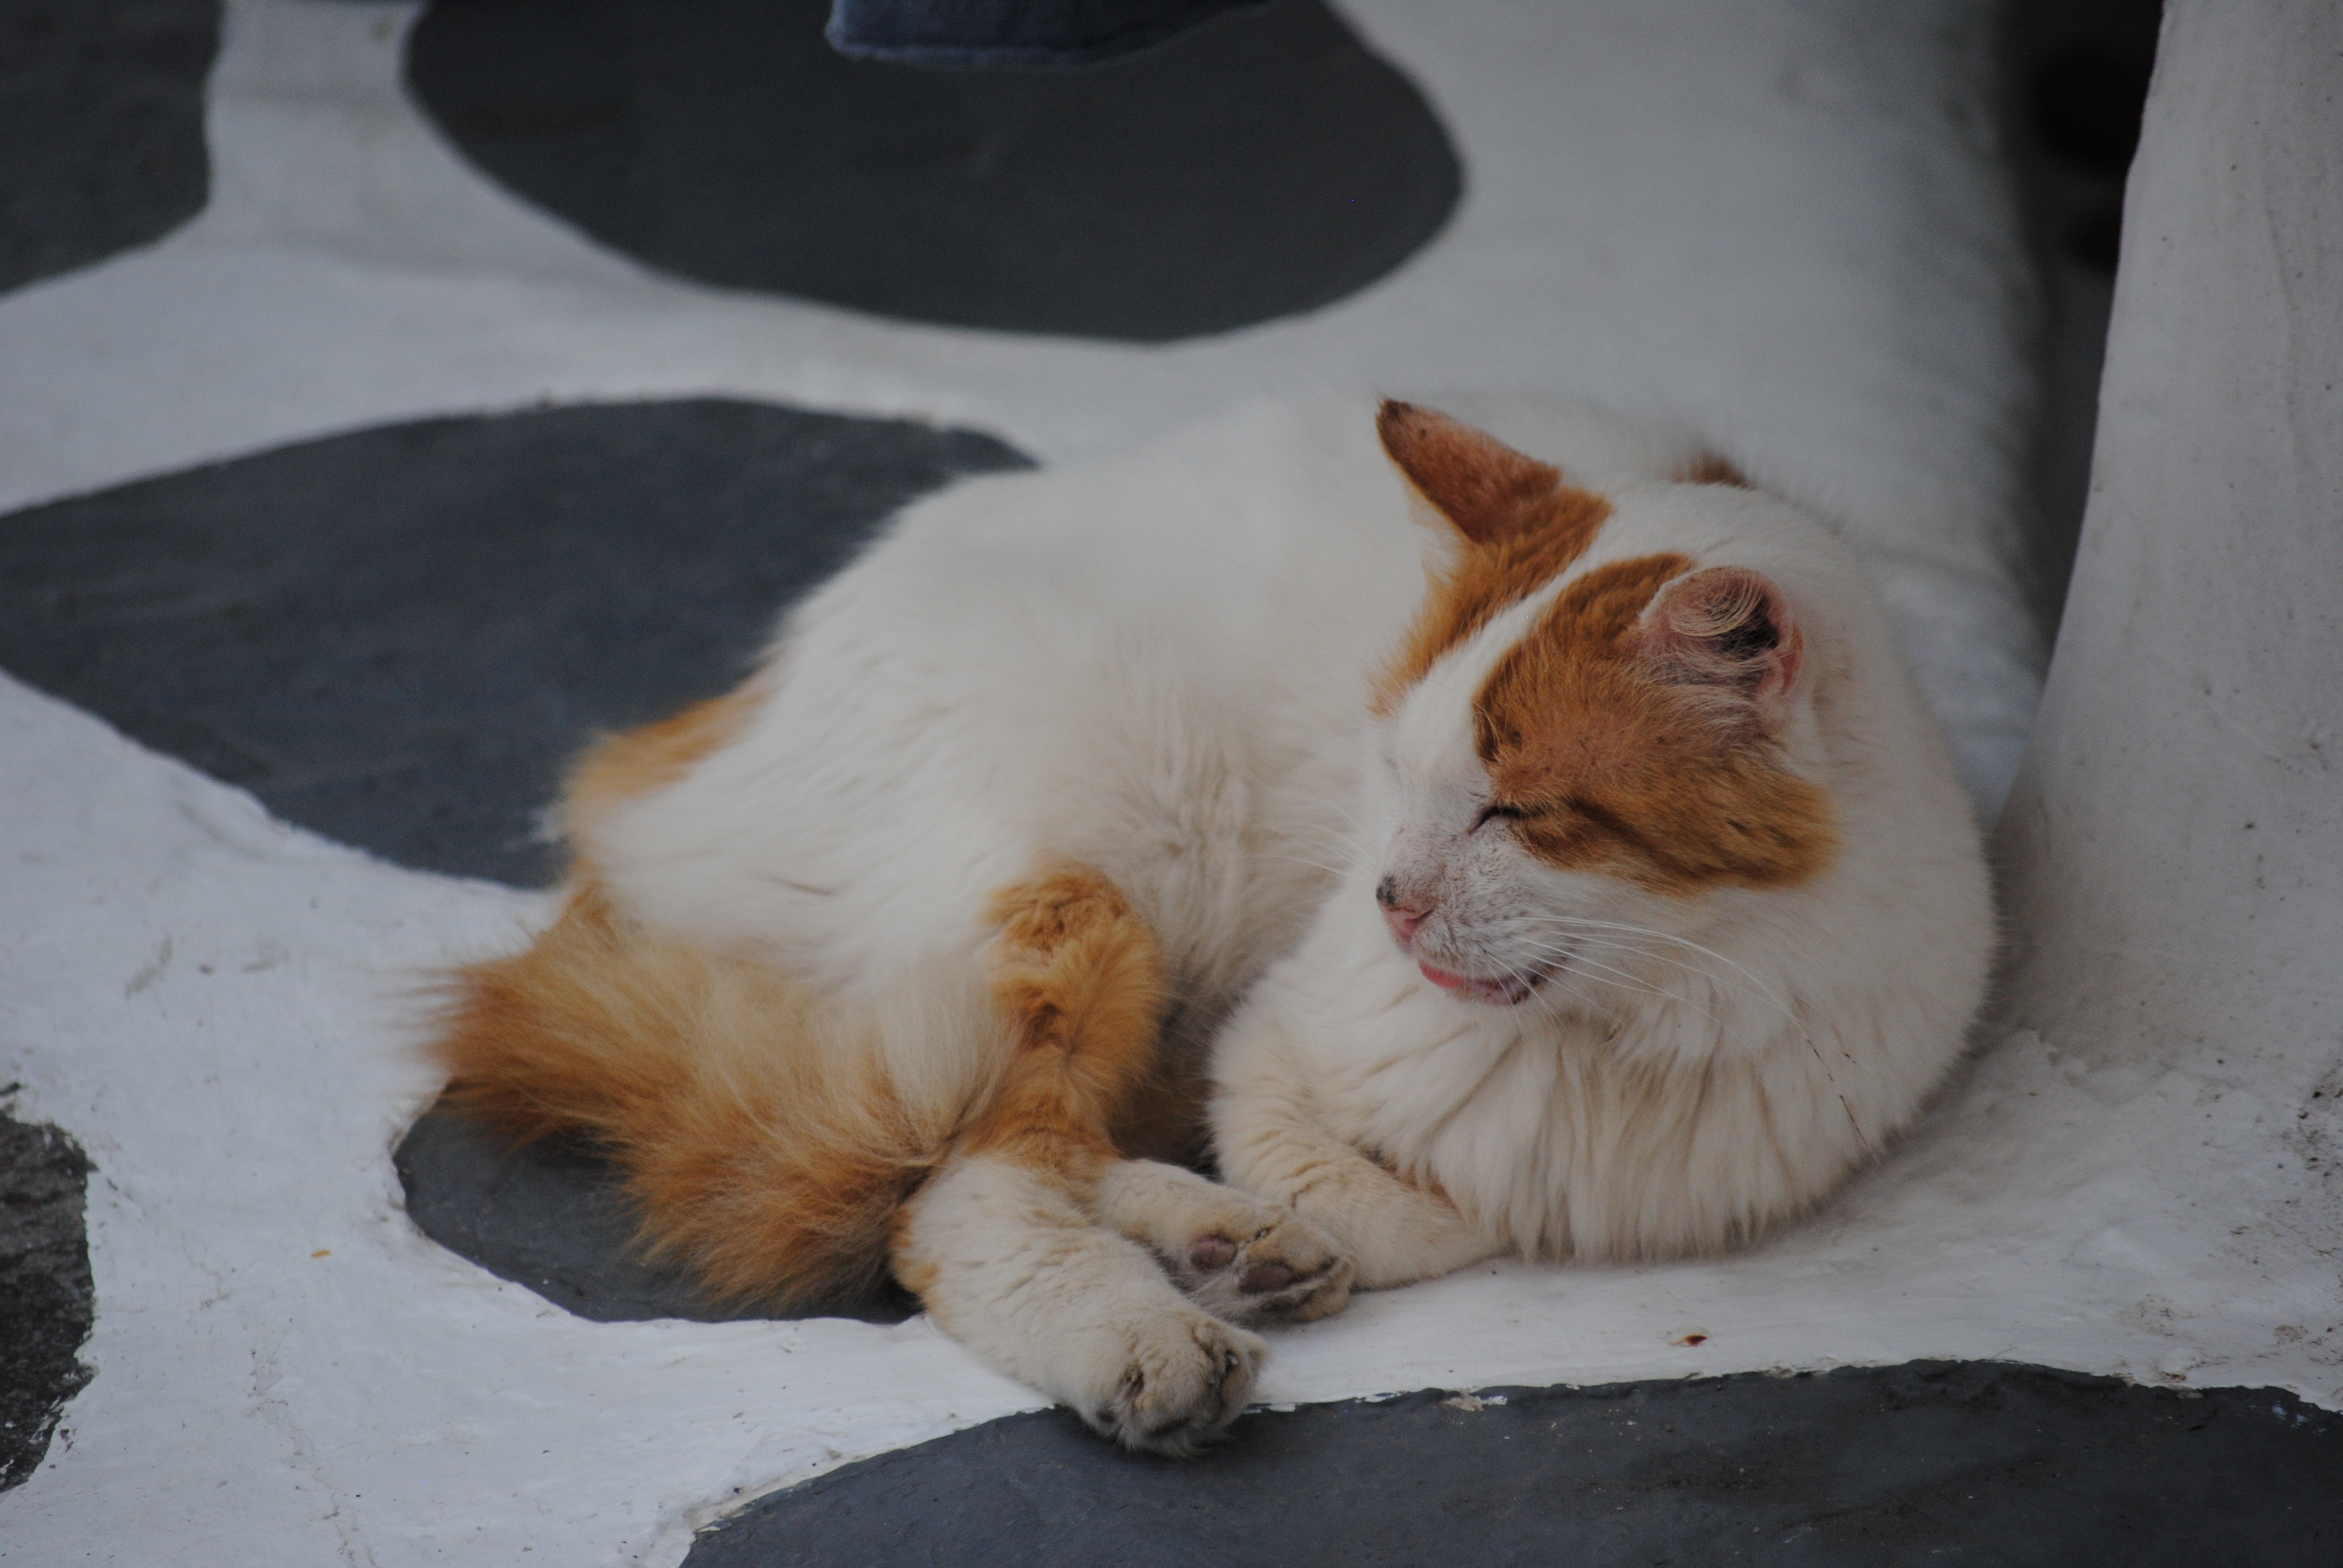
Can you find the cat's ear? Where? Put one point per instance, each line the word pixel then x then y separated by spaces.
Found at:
pixel 1728 630
pixel 1486 489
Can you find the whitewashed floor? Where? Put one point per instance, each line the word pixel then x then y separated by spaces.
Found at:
pixel 1785 222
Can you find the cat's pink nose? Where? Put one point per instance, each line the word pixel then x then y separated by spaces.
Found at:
pixel 1403 922
pixel 1402 915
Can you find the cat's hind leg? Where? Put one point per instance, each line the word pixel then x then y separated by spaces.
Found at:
pixel 1000 1242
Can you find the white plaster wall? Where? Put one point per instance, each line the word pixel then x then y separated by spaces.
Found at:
pixel 2175 843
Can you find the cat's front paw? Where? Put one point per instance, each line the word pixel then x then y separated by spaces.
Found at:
pixel 1185 1376
pixel 1276 1268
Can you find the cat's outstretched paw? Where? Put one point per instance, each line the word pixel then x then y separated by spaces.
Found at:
pixel 1277 1268
pixel 1185 1377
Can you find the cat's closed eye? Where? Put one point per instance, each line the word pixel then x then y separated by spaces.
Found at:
pixel 1494 812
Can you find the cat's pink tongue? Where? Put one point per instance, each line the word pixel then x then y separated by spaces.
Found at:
pixel 1501 992
pixel 1442 979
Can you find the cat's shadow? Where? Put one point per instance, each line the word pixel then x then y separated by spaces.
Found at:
pixel 551 1215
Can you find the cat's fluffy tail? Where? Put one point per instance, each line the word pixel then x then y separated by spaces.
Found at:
pixel 757 1122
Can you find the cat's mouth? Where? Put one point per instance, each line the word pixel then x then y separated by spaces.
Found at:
pixel 1502 990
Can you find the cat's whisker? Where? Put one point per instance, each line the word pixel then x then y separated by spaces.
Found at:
pixel 1720 981
pixel 1794 1016
pixel 1722 984
pixel 1342 864
pixel 1328 839
pixel 1590 923
pixel 1337 808
pixel 1577 952
pixel 1575 957
pixel 1756 981
pixel 1552 1006
pixel 1628 982
pixel 1309 827
pixel 1337 872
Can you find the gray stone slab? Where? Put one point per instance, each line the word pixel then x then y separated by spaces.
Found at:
pixel 1962 1463
pixel 101 127
pixel 1261 165
pixel 399 636
pixel 46 1299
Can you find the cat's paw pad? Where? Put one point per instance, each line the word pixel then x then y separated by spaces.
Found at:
pixel 1277 1268
pixel 1185 1377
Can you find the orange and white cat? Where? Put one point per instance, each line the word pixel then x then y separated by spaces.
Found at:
pixel 1613 899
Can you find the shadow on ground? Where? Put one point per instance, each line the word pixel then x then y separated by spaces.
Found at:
pixel 552 1215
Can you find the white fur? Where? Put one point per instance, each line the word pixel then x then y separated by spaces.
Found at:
pixel 1147 665
pixel 1696 1067
pixel 1160 666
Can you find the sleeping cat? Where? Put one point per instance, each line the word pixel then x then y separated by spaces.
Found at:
pixel 1618 895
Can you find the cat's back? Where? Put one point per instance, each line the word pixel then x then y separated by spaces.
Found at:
pixel 1279 521
pixel 1138 662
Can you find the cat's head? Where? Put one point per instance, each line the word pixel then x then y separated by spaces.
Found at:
pixel 1580 748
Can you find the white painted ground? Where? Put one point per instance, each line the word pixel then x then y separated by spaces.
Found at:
pixel 1784 222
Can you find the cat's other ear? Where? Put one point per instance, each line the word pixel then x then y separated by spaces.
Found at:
pixel 1486 489
pixel 1728 630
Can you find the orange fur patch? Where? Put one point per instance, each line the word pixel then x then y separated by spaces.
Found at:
pixel 1080 980
pixel 761 1139
pixel 623 767
pixel 1486 489
pixel 1165 1119
pixel 1611 752
pixel 754 1120
pixel 1520 525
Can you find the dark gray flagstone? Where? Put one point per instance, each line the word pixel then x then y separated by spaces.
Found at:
pixel 1955 1463
pixel 399 636
pixel 45 1301
pixel 101 127
pixel 1264 164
